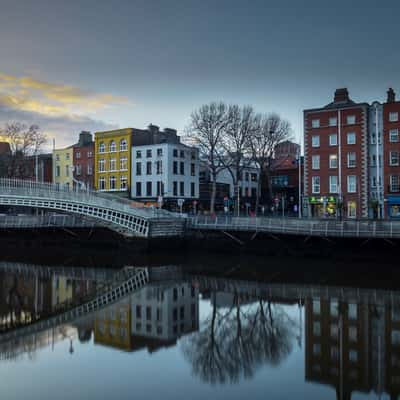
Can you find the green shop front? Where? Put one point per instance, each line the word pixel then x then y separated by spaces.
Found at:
pixel 323 206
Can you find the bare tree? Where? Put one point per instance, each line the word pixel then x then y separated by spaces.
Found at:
pixel 206 129
pixel 270 131
pixel 24 141
pixel 235 158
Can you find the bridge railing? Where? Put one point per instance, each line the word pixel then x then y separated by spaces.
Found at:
pixel 18 187
pixel 309 227
pixel 52 220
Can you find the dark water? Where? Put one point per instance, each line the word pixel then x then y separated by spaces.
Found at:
pixel 200 332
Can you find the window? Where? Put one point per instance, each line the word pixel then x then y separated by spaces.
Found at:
pixel 333 121
pixel 316 328
pixel 315 123
pixel 333 161
pixel 102 148
pixel 138 188
pixel 123 145
pixel 353 355
pixel 78 169
pixel 315 184
pixel 333 139
pixel 373 184
pixel 57 157
pixel 113 164
pixel 351 209
pixel 67 156
pixel 192 189
pixel 193 155
pixel 394 183
pixel 57 170
pixel 351 184
pixel 351 138
pixel 148 188
pixel 352 311
pixel 112 182
pixel 175 153
pixel 175 188
pixel 182 154
pixel 333 184
pixel 334 308
pixel 90 154
pixel 148 168
pixel 334 331
pixel 138 154
pixel 394 158
pixel 351 119
pixel 159 167
pixel 160 188
pixel 78 154
pixel 395 337
pixel 192 169
pixel 182 188
pixel 90 169
pixel 316 307
pixel 353 333
pixel 138 312
pixel 316 349
pixel 159 152
pixel 123 182
pixel 175 168
pixel 253 177
pixel 138 168
pixel 67 170
pixel 148 153
pixel 315 141
pixel 315 162
pixel 393 116
pixel 182 168
pixel 334 353
pixel 351 160
pixel 393 135
pixel 102 183
pixel 113 147
pixel 123 164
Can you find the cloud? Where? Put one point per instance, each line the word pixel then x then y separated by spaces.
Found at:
pixel 60 110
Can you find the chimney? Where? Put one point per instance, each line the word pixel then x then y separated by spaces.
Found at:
pixel 153 128
pixel 341 95
pixel 391 96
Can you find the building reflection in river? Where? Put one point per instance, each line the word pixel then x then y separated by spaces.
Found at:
pixel 353 346
pixel 155 316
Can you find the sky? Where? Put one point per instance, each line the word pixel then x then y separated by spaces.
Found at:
pixel 95 64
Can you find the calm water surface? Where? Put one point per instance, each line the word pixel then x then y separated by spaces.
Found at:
pixel 216 335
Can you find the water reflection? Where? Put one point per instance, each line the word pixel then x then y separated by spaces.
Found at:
pixel 227 330
pixel 238 337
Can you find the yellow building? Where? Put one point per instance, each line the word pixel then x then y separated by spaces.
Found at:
pixel 113 160
pixel 112 326
pixel 63 167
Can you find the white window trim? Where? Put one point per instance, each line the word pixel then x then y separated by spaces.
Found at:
pixel 313 166
pixel 330 142
pixel 312 141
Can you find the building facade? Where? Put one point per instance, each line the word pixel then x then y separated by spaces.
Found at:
pixel 336 159
pixel 164 171
pixel 112 163
pixel 83 159
pixel 63 167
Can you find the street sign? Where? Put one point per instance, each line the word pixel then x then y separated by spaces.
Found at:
pixel 180 202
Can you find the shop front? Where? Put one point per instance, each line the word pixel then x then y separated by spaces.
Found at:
pixel 322 206
pixel 393 206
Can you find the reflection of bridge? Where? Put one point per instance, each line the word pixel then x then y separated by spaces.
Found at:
pixel 114 212
pixel 364 229
pixel 138 278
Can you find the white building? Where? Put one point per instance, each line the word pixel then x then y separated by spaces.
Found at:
pixel 167 170
pixel 165 312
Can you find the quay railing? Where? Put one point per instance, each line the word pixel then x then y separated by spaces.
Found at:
pixel 306 227
pixel 45 221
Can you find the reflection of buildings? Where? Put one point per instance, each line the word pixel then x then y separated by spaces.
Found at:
pixel 153 317
pixel 353 347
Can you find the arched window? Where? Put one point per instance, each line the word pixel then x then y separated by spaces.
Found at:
pixel 112 147
pixel 123 145
pixel 102 148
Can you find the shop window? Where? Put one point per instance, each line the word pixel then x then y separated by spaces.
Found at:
pixel 351 209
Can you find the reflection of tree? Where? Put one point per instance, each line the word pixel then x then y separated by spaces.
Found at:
pixel 232 343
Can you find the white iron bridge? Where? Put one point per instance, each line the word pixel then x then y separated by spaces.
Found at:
pixel 111 211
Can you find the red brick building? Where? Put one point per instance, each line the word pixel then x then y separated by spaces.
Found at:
pixel 336 159
pixel 391 155
pixel 83 160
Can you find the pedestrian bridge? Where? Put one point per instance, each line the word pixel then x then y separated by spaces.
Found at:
pixel 113 212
